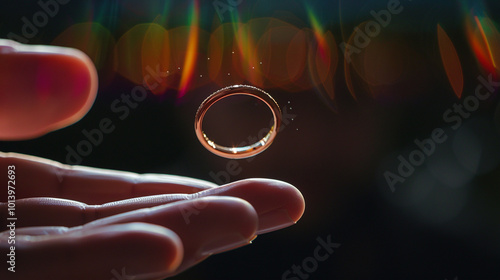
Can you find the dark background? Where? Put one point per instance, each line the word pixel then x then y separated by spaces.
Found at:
pixel 441 223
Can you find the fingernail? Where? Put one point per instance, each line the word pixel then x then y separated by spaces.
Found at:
pixel 225 243
pixel 274 220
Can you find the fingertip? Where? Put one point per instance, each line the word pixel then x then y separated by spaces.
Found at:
pixel 154 250
pixel 294 202
pixel 278 204
pixel 88 87
pixel 133 249
pixel 261 193
pixel 140 249
pixel 44 88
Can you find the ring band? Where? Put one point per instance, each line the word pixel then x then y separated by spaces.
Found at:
pixel 237 152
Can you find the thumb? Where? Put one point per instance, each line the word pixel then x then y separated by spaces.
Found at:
pixel 43 88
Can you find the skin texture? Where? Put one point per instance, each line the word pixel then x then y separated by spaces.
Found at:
pixel 57 85
pixel 85 223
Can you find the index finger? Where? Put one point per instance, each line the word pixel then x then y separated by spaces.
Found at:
pixel 43 88
pixel 37 177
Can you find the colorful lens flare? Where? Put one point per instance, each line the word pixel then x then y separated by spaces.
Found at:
pixel 483 36
pixel 171 55
pixel 191 53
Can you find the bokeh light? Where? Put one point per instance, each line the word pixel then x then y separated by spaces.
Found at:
pixel 386 68
pixel 155 58
pixel 169 52
pixel 323 61
pixel 221 53
pixel 451 61
pixel 132 45
pixel 483 37
pixel 165 54
pixel 191 50
pixel 346 114
pixel 96 41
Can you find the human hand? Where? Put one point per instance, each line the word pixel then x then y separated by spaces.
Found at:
pixel 84 223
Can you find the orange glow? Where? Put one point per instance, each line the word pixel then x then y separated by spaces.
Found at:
pixel 222 55
pixel 485 40
pixel 385 69
pixel 326 63
pixel 156 58
pixel 248 64
pixel 323 63
pixel 482 57
pixel 318 34
pixel 192 52
pixel 451 61
pixel 284 59
pixel 299 51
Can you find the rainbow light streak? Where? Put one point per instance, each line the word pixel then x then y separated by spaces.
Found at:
pixel 479 46
pixel 481 28
pixel 163 19
pixel 478 50
pixel 246 48
pixel 482 36
pixel 318 32
pixel 192 51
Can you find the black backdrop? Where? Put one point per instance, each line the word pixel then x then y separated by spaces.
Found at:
pixel 440 224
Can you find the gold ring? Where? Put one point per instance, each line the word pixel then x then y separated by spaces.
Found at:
pixel 238 152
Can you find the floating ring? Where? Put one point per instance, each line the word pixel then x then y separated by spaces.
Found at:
pixel 238 152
